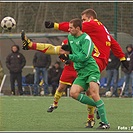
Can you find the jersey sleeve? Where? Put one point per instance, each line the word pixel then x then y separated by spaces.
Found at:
pixel 116 49
pixel 63 26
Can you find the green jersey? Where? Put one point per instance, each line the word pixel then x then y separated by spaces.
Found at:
pixel 86 66
pixel 82 48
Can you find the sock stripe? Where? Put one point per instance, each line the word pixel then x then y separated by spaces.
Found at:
pixel 81 97
pixel 100 104
pixel 34 46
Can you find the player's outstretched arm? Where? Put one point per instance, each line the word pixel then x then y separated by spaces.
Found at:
pixel 116 49
pixel 63 26
pixel 118 52
pixel 43 47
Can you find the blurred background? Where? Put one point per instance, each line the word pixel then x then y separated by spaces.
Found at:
pixel 30 16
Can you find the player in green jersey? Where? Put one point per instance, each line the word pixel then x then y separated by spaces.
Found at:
pixel 81 47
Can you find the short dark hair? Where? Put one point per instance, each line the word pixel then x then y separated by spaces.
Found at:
pixel 76 22
pixel 89 13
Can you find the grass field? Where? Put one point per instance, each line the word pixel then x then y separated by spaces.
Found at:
pixel 29 113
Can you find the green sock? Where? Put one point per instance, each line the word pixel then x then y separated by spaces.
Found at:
pixel 86 100
pixel 101 111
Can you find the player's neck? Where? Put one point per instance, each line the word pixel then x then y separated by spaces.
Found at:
pixel 79 34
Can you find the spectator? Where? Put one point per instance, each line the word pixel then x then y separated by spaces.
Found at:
pixel 41 63
pixel 112 71
pixel 54 74
pixel 15 62
pixel 128 74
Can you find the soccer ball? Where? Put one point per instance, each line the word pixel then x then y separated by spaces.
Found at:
pixel 8 23
pixel 108 94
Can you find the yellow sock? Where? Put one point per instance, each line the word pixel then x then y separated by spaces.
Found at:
pixel 91 111
pixel 57 96
pixel 45 48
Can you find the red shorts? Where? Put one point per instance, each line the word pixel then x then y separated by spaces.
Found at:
pixel 68 76
pixel 101 63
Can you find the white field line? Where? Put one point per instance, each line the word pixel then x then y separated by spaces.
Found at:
pixel 30 98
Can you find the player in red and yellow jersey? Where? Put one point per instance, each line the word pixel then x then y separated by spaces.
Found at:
pixel 103 41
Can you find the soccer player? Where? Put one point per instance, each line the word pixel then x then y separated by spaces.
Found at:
pixel 103 43
pixel 81 47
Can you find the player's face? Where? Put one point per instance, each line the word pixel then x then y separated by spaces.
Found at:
pixel 72 29
pixel 85 18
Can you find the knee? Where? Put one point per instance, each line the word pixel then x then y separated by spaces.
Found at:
pixel 61 88
pixel 93 93
pixel 71 93
pixel 74 94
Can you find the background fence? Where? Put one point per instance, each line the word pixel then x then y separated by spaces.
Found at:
pixel 117 16
pixel 30 16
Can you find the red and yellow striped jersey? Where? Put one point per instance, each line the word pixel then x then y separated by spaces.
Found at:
pixel 101 38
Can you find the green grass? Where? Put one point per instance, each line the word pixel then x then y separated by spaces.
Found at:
pixel 28 113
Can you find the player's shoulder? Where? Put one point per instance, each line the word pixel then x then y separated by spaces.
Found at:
pixel 93 23
pixel 96 22
pixel 86 36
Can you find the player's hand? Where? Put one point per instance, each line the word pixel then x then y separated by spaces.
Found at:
pixel 64 57
pixel 49 24
pixel 125 64
pixel 65 47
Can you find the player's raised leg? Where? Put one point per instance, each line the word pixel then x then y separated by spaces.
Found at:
pixel 43 47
